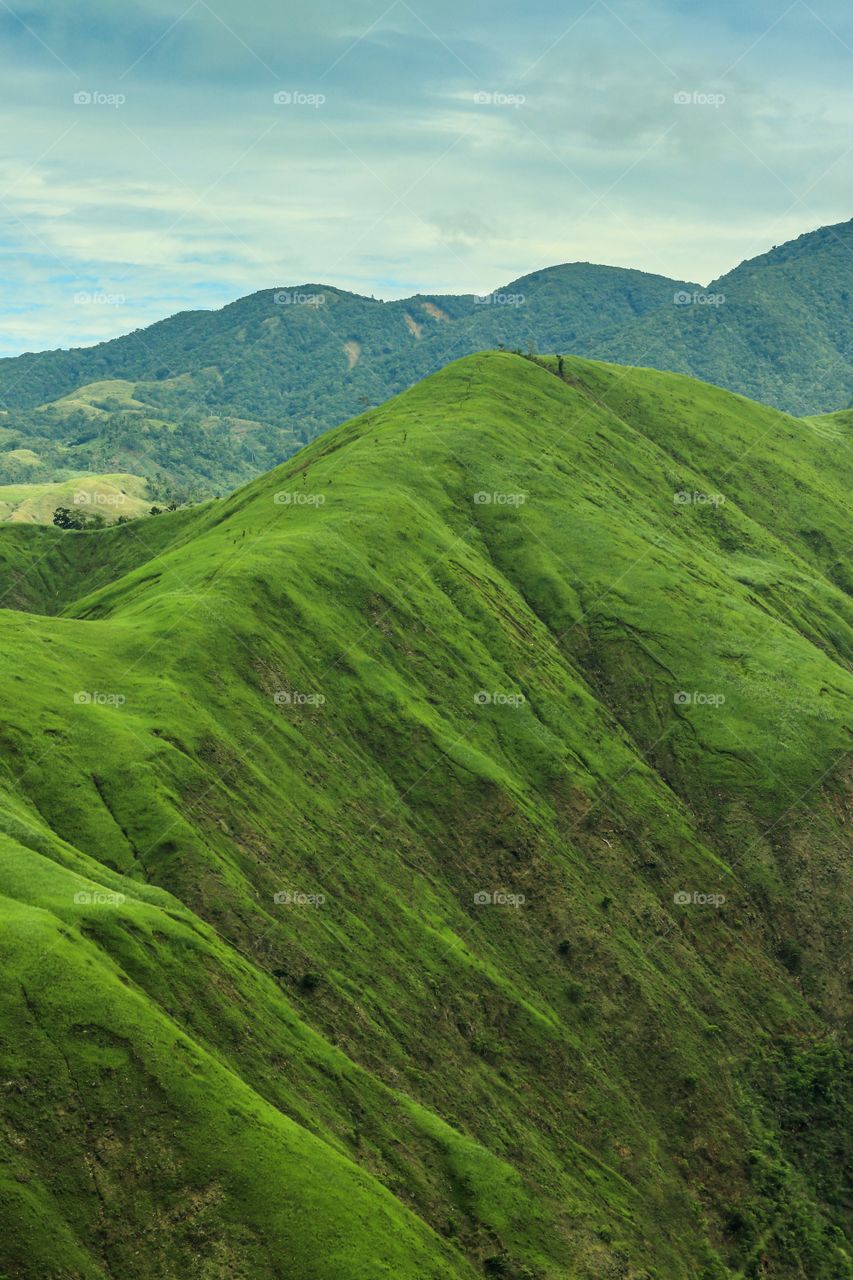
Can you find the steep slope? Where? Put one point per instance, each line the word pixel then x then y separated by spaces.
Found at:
pixel 428 860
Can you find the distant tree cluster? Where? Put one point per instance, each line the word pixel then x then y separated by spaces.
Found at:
pixel 65 518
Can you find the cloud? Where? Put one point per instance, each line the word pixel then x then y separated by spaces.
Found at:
pixel 416 147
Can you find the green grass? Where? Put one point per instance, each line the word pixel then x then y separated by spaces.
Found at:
pixel 110 496
pixel 263 697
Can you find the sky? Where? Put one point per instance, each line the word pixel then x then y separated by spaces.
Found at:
pixel 160 155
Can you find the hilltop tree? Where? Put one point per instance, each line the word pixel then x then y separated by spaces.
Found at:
pixel 65 518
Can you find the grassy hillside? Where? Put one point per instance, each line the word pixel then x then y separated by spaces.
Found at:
pixel 428 861
pixel 834 426
pixel 110 496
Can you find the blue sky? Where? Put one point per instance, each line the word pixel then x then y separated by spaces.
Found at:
pixel 161 155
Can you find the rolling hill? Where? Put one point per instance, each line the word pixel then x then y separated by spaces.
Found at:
pixel 428 861
pixel 111 497
pixel 154 431
pixel 208 399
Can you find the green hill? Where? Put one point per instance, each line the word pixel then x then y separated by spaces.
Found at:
pixel 111 497
pixel 154 430
pixel 428 861
pixel 203 401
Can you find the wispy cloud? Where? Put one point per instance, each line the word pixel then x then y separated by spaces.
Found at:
pixel 179 154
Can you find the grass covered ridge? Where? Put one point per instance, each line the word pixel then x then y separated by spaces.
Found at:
pixel 428 861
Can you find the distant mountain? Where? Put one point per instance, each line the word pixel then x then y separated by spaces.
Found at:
pixel 427 863
pixel 778 328
pixel 207 399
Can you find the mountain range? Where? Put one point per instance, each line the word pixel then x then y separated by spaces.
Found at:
pixel 428 861
pixel 206 400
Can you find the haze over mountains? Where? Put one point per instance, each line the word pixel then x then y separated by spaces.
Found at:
pixel 205 400
pixel 429 861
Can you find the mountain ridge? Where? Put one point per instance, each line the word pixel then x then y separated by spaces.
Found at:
pixel 470 682
pixel 212 398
